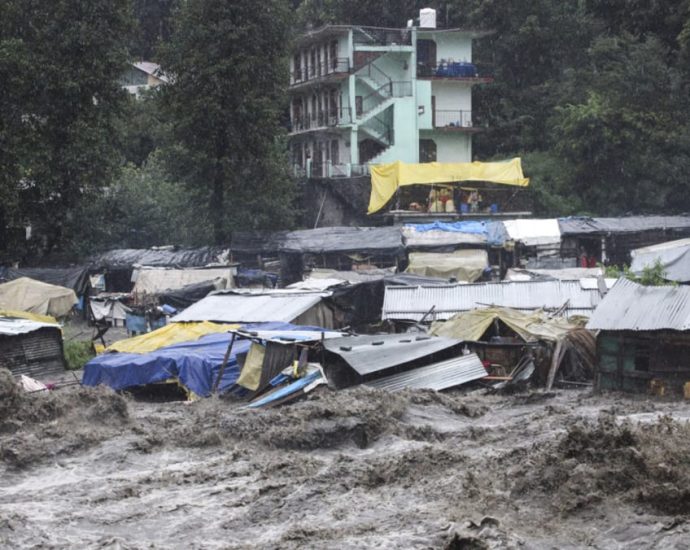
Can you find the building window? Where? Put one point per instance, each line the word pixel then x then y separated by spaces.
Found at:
pixel 427 150
pixel 426 57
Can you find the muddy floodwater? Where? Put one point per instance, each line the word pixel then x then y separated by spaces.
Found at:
pixel 84 468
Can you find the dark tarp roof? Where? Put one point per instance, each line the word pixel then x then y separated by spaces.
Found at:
pixel 379 240
pixel 627 224
pixel 76 278
pixel 183 257
pixel 184 297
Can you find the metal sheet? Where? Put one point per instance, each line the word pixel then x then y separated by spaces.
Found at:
pixel 629 224
pixel 629 306
pixel 437 376
pixel 37 354
pixel 412 303
pixel 249 308
pixel 674 257
pixel 13 327
pixel 289 337
pixel 367 354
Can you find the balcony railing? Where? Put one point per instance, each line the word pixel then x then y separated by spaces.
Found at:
pixel 321 119
pixel 382 37
pixel 448 69
pixel 452 119
pixel 328 169
pixel 338 65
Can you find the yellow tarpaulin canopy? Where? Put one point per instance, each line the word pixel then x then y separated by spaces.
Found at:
pixel 386 178
pixel 174 333
pixel 533 326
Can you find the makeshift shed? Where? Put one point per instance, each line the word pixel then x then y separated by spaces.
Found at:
pixel 611 240
pixel 643 342
pixel 196 365
pixel 673 256
pixel 461 265
pixel 31 348
pixel 25 294
pixel 76 278
pixel 155 280
pixel 415 303
pixel 118 265
pixel 440 234
pixel 257 306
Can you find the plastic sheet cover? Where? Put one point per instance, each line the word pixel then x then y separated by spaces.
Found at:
pixel 195 364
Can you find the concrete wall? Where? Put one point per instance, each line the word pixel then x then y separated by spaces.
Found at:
pixel 451 95
pixel 423 92
pixel 451 146
pixel 450 46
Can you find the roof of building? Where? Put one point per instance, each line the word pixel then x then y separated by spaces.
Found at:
pixel 13 327
pixel 368 354
pixel 154 69
pixel 533 232
pixel 322 240
pixel 412 303
pixel 159 257
pixel 674 257
pixel 251 307
pixel 626 224
pixel 630 306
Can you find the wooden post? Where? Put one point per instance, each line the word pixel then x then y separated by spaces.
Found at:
pixel 225 362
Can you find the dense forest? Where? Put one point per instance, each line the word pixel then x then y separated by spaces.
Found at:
pixel 594 95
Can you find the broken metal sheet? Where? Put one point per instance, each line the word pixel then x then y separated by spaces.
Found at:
pixel 289 337
pixel 368 354
pixel 437 376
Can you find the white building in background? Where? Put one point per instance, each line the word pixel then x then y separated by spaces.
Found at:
pixel 364 95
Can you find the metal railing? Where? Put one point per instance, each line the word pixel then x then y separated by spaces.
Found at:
pixel 452 119
pixel 382 37
pixel 381 129
pixel 392 89
pixel 448 69
pixel 338 65
pixel 376 74
pixel 321 119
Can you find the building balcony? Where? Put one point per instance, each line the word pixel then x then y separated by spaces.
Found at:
pixel 454 121
pixel 329 169
pixel 321 120
pixel 325 71
pixel 452 70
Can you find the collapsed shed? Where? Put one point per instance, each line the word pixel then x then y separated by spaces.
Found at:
pixel 360 359
pixel 643 342
pixel 31 348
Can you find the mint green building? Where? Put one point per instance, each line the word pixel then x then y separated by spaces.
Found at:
pixel 364 95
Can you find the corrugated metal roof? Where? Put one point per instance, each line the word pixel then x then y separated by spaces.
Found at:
pixel 289 336
pixel 437 376
pixel 12 327
pixel 628 224
pixel 250 308
pixel 674 257
pixel 411 303
pixel 629 306
pixel 367 354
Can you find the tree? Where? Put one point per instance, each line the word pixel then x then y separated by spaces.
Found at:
pixel 228 61
pixel 59 66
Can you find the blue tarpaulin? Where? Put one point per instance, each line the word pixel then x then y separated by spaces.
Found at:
pixel 195 364
pixel 494 231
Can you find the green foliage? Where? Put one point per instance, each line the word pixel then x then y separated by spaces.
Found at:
pixel 59 68
pixel 77 354
pixel 653 275
pixel 229 62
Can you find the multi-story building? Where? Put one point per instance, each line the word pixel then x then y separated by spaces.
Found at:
pixel 363 95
